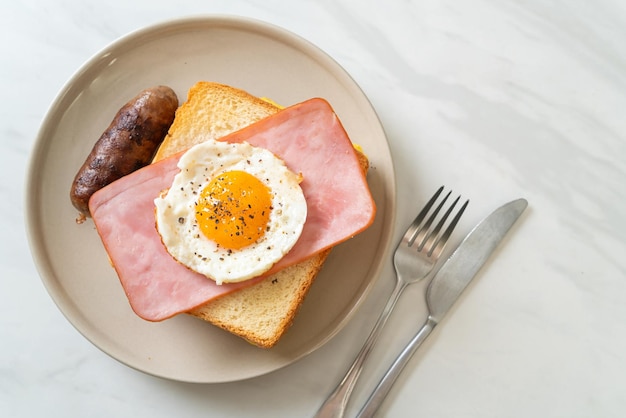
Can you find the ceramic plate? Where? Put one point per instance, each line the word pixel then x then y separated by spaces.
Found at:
pixel 257 57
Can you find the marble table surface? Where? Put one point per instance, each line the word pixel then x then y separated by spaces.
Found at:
pixel 497 100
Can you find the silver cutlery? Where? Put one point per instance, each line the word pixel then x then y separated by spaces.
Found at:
pixel 447 285
pixel 414 258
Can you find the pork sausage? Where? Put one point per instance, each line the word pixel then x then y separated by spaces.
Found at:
pixel 128 144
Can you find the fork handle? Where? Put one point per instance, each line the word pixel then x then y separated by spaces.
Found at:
pixel 381 391
pixel 335 404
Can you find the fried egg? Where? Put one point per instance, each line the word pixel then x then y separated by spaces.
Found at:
pixel 231 212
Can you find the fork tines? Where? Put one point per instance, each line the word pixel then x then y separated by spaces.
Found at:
pixel 434 239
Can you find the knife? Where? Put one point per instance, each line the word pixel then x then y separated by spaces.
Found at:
pixel 447 285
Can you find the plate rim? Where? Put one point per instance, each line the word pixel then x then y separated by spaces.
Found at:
pixel 31 200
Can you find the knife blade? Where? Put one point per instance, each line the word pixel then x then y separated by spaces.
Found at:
pixel 447 285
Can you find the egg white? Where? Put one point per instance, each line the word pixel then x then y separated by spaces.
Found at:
pixel 175 211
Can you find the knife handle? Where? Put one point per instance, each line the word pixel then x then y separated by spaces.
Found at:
pixel 379 394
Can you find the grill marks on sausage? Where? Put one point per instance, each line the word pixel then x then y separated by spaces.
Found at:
pixel 128 144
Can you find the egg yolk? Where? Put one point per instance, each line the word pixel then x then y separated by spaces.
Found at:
pixel 233 210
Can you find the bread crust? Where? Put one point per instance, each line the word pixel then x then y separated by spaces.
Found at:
pixel 211 111
pixel 262 313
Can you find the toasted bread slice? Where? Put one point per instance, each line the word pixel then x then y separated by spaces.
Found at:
pixel 212 111
pixel 263 312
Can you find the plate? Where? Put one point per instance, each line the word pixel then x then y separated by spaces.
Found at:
pixel 255 56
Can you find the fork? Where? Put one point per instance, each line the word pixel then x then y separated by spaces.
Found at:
pixel 414 258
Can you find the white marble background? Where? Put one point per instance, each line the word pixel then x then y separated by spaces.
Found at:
pixel 497 99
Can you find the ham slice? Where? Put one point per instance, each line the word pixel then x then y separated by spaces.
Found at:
pixel 308 137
